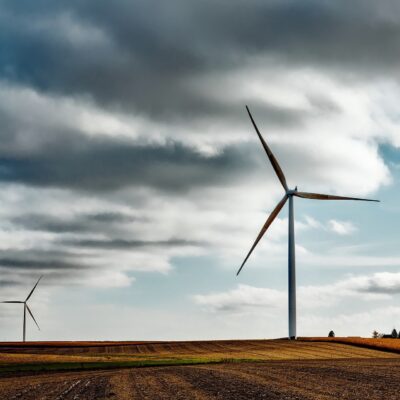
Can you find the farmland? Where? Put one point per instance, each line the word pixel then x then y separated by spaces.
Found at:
pixel 392 345
pixel 268 369
pixel 69 354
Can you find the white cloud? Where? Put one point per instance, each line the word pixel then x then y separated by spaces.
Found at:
pixel 108 279
pixel 313 223
pixel 342 227
pixel 333 225
pixel 41 117
pixel 240 298
pixel 382 282
pixel 379 286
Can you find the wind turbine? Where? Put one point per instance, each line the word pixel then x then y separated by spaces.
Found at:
pixel 289 195
pixel 26 308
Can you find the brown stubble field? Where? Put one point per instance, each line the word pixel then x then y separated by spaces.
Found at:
pixel 251 369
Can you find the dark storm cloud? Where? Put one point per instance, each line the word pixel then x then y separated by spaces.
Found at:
pixel 18 266
pixel 77 224
pixel 31 259
pixel 374 286
pixel 8 282
pixel 49 224
pixel 101 165
pixel 159 60
pixel 145 54
pixel 111 217
pixel 121 244
pixel 28 263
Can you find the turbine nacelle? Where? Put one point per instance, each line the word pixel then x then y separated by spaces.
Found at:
pixel 291 192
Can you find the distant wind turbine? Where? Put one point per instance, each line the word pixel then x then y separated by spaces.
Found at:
pixel 26 308
pixel 289 195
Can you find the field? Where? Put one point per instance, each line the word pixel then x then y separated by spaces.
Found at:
pixel 251 369
pixel 392 345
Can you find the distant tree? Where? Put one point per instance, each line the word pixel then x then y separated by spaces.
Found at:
pixel 331 334
pixel 375 334
pixel 394 333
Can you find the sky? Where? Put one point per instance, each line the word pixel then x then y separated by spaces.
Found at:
pixel 132 180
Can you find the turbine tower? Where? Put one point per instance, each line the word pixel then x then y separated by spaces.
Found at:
pixel 289 195
pixel 26 308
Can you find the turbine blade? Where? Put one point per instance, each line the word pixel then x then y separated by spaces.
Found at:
pixel 30 312
pixel 318 196
pixel 14 302
pixel 269 221
pixel 272 159
pixel 30 294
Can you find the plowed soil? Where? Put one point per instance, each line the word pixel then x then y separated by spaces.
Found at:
pixel 290 380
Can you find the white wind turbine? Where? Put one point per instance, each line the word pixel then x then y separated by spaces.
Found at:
pixel 289 195
pixel 26 308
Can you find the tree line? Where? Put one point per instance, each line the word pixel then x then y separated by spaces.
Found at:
pixel 393 335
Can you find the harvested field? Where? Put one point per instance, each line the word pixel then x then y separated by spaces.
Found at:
pixel 39 355
pixel 392 345
pixel 290 379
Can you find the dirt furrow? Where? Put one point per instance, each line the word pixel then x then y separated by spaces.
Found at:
pixel 339 381
pixel 216 384
pixel 270 386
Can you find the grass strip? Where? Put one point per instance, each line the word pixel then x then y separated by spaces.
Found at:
pixel 74 366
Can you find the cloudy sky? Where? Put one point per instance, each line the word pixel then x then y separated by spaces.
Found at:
pixel 132 179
